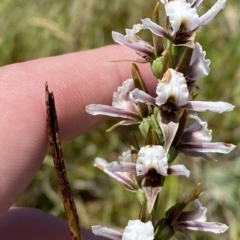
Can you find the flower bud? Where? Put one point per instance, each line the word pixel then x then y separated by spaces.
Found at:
pixel 157 67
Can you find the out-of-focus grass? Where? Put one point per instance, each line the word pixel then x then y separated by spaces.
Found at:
pixel 33 29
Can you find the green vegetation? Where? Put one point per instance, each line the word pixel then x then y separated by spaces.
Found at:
pixel 34 29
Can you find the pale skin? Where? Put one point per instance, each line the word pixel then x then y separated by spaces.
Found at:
pixel 77 80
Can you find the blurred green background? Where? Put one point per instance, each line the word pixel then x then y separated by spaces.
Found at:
pixel 34 29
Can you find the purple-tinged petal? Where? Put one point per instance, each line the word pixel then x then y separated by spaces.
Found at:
pixel 124 178
pixel 198 214
pixel 195 3
pixel 132 41
pixel 197 132
pixel 155 28
pixel 138 230
pixel 126 157
pixel 121 167
pixel 178 170
pixel 152 157
pixel 121 97
pixel 140 96
pixel 202 226
pixel 106 232
pixel 199 66
pixel 212 12
pixel 124 164
pixel 99 109
pixel 218 147
pixel 201 106
pixel 173 85
pixel 168 122
pixel 181 15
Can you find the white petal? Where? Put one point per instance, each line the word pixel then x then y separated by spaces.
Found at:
pixel 199 66
pixel 132 41
pixel 218 147
pixel 124 164
pixel 154 28
pixel 197 132
pixel 100 109
pixel 126 157
pixel 121 167
pixel 164 1
pixel 201 106
pixel 173 85
pixel 178 170
pixel 211 13
pixel 106 232
pixel 152 157
pixel 203 226
pixel 140 96
pixel 137 230
pixel 181 15
pixel 121 97
pixel 122 177
pixel 198 214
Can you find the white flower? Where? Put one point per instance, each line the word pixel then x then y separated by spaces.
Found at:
pixel 135 230
pixel 122 106
pixel 125 178
pixel 152 165
pixel 149 157
pixel 172 95
pixel 183 18
pixel 121 97
pixel 196 140
pixel 132 41
pixel 197 132
pixel 196 220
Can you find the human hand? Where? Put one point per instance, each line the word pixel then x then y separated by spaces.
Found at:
pixel 76 80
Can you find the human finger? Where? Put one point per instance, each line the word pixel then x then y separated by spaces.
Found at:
pixel 30 223
pixel 77 80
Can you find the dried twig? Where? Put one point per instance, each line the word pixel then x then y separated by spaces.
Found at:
pixel 55 144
